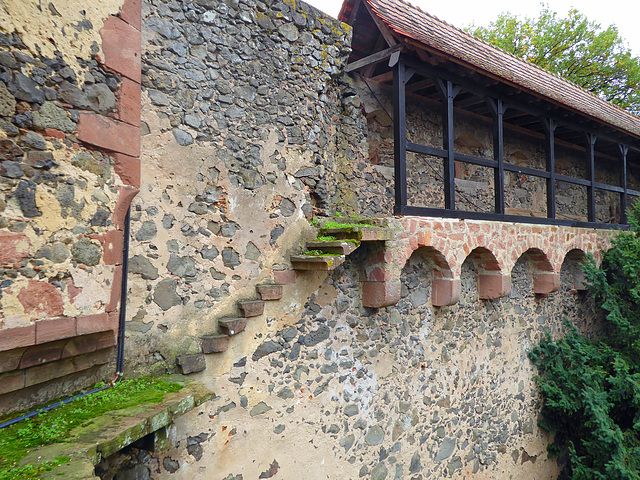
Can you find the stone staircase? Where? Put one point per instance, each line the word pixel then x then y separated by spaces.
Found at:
pixel 335 241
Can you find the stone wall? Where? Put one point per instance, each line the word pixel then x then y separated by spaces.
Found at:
pixel 242 105
pixel 405 391
pixel 69 142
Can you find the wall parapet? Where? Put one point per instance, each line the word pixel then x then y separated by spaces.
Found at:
pixel 494 247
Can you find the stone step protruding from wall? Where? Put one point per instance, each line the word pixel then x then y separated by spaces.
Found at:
pixel 316 262
pixel 269 291
pixel 232 326
pixel 251 308
pixel 191 363
pixel 215 343
pixel 363 234
pixel 338 247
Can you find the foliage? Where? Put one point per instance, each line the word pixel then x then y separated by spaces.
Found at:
pixel 591 388
pixel 19 439
pixel 595 58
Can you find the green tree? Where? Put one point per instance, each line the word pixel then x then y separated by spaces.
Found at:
pixel 595 58
pixel 591 388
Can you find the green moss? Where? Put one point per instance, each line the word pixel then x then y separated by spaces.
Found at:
pixel 55 426
pixel 326 238
pixel 318 253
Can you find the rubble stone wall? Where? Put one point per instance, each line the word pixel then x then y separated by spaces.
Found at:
pixel 69 148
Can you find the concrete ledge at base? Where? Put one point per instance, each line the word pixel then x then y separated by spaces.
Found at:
pixel 110 433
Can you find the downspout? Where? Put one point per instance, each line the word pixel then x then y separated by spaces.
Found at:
pixel 120 345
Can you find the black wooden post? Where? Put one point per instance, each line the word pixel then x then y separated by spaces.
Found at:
pixel 498 109
pixel 624 150
pixel 591 191
pixel 550 127
pixel 449 93
pixel 400 136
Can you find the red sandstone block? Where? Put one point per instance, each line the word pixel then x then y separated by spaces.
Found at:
pixel 49 371
pixel 10 382
pixel 113 247
pixel 80 345
pixel 106 339
pixel 269 291
pixel 380 294
pixel 14 247
pixel 131 13
pixel 285 277
pixel 191 363
pixel 52 132
pixel 445 292
pixel 376 275
pixel 11 360
pixel 116 290
pixel 128 103
pixel 84 362
pixel 125 196
pixel 41 297
pixel 544 283
pixel 121 45
pixel 110 134
pixel 493 286
pixel 94 323
pixel 56 329
pixel 251 308
pixel 214 343
pixel 17 337
pixel 128 168
pixel 39 354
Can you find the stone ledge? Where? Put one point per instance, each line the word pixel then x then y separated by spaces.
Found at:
pixel 116 430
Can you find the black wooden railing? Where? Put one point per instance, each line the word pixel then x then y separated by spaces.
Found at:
pixel 448 90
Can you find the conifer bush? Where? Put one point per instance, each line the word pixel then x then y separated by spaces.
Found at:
pixel 591 387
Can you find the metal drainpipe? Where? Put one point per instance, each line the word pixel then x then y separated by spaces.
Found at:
pixel 120 347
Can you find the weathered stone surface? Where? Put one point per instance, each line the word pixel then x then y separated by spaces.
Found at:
pixel 266 348
pixel 191 363
pixel 86 252
pixel 140 265
pixel 184 267
pixel 7 101
pixel 165 295
pixel 147 231
pixel 374 436
pixel 183 138
pixel 52 116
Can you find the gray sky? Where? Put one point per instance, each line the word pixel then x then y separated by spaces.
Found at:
pixel 625 14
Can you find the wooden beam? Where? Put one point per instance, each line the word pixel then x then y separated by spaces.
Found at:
pixel 400 136
pixel 497 111
pixel 448 92
pixel 550 129
pixel 354 12
pixel 591 193
pixel 384 30
pixel 372 59
pixel 624 150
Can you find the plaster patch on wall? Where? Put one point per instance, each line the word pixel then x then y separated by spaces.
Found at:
pixel 71 27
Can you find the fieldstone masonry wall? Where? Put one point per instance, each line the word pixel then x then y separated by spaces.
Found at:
pixel 243 102
pixel 408 361
pixel 69 167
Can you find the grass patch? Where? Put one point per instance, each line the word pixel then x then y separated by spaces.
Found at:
pixel 51 427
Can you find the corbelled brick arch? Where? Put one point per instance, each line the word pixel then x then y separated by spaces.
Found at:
pixel 495 246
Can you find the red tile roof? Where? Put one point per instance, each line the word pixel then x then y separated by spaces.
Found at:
pixel 408 21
